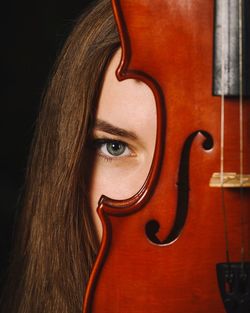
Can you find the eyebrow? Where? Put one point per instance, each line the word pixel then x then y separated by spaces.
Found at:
pixel 114 130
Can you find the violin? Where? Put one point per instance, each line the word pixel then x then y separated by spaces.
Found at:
pixel 182 242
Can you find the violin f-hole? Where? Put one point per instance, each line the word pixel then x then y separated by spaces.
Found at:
pixel 153 226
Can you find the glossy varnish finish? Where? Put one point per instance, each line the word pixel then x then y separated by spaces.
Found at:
pixel 169 45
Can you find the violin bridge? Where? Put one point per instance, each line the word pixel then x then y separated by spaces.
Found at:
pixel 230 180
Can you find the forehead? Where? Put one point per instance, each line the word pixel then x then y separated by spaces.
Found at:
pixel 128 104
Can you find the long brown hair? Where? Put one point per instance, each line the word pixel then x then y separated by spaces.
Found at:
pixel 55 242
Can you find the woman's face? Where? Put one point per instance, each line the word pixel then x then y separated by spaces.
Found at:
pixel 123 136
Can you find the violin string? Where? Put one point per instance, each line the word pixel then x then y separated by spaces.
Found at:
pixel 222 135
pixel 241 129
pixel 222 105
pixel 241 92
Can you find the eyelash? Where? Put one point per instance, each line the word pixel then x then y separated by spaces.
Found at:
pixel 101 146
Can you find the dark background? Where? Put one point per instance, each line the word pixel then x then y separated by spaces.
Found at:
pixel 32 35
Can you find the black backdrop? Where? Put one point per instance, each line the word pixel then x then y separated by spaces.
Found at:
pixel 32 34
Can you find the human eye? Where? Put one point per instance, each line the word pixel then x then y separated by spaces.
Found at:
pixel 112 149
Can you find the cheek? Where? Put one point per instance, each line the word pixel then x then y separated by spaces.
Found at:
pixel 117 181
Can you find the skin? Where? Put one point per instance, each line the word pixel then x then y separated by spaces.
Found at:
pixel 123 138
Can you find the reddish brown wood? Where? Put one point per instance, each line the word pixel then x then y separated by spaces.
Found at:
pixel 169 45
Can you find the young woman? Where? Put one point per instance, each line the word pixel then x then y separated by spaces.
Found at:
pixel 94 136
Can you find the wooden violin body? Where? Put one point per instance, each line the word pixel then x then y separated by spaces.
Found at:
pixel 163 250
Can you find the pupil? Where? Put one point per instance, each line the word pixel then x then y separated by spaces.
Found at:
pixel 115 148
